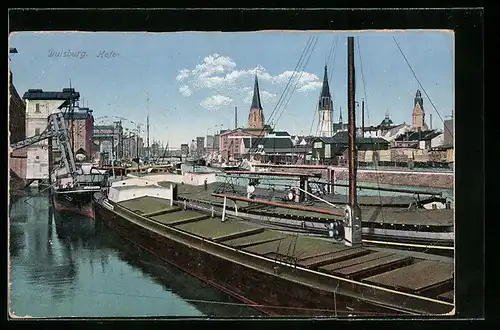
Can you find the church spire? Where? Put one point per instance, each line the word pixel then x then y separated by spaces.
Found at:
pixel 325 91
pixel 256 96
pixel 419 99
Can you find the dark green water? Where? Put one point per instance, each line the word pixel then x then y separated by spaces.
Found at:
pixel 64 266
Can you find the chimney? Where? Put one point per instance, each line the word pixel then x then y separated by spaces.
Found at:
pixel 235 117
pixel 430 120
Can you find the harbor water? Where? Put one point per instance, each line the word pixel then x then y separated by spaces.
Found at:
pixel 71 266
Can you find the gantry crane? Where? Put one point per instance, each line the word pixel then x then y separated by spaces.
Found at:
pixel 56 128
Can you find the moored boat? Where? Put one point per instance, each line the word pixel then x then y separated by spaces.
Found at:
pixel 276 272
pixel 74 193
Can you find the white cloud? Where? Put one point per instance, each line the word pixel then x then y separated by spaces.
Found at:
pixel 183 74
pixel 300 78
pixel 185 91
pixel 264 97
pixel 213 64
pixel 215 102
pixel 219 73
pixel 310 86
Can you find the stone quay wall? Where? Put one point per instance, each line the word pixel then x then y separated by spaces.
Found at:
pixel 425 179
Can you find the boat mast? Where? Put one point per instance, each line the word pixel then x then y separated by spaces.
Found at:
pixel 362 117
pixel 71 113
pixel 353 212
pixel 147 124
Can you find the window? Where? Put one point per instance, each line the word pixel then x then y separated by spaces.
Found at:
pixel 37 157
pixel 37 108
pixel 37 131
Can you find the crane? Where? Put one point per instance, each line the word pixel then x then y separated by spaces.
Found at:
pixel 56 128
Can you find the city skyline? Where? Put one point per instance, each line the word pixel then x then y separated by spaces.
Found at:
pixel 190 91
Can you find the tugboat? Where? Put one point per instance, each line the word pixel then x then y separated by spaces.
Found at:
pixel 73 193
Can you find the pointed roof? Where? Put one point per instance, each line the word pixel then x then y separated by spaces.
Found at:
pixel 256 96
pixel 325 91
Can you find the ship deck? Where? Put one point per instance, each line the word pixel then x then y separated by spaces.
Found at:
pixel 370 214
pixel 385 268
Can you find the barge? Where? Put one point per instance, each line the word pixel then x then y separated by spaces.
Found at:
pixel 393 224
pixel 277 272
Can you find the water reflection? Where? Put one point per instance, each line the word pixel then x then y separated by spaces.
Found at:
pixel 209 301
pixel 69 265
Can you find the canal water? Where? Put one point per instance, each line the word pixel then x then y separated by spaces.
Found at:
pixel 63 266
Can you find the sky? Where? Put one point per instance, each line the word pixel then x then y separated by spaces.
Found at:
pixel 191 82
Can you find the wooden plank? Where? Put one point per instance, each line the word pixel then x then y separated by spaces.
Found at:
pixel 145 204
pixel 212 228
pixel 372 267
pixel 270 246
pixel 332 257
pixel 350 262
pixel 416 277
pixel 163 211
pixel 175 218
pixel 408 217
pixel 247 241
pixel 252 243
pixel 239 234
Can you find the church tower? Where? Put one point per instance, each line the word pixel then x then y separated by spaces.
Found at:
pixel 325 110
pixel 419 113
pixel 256 116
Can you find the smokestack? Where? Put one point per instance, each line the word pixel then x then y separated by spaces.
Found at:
pixel 235 117
pixel 430 120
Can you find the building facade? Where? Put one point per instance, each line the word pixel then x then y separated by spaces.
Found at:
pixel 329 150
pixel 113 136
pixel 210 143
pixel 80 126
pixel 200 146
pixel 17 131
pixel 340 126
pixel 17 114
pixel 216 141
pixel 39 105
pixel 184 150
pixel 448 132
pixel 231 140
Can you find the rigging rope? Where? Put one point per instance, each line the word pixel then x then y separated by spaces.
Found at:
pixel 371 137
pixel 418 81
pixel 283 95
pixel 288 83
pixel 297 82
pixel 376 164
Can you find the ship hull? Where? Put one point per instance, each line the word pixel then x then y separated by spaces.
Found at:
pixel 74 203
pixel 243 277
pixel 74 225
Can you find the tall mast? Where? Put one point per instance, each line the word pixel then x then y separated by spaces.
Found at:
pixel 362 117
pixel 355 213
pixel 147 124
pixel 72 118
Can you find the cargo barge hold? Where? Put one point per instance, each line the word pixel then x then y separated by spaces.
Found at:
pixel 277 272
